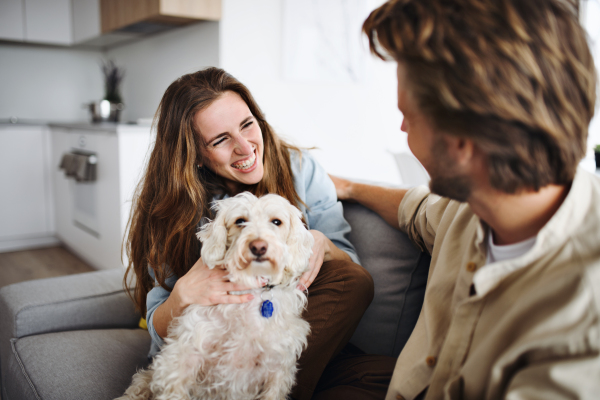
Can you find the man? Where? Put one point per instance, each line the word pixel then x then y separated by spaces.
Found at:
pixel 497 96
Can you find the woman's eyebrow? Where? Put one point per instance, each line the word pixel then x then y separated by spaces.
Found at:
pixel 246 120
pixel 218 136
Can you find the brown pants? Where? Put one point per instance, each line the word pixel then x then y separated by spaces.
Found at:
pixel 337 300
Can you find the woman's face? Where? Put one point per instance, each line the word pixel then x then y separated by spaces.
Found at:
pixel 234 143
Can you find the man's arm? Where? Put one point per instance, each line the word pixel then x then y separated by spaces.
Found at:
pixel 384 201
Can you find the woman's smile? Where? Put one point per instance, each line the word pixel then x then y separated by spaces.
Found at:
pixel 233 143
pixel 246 165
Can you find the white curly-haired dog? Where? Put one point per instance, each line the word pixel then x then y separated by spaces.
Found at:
pixel 248 350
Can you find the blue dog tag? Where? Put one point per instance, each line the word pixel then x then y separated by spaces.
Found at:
pixel 266 309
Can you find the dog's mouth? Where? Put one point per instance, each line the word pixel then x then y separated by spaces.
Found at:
pixel 264 280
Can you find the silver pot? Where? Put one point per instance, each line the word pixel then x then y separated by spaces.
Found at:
pixel 105 111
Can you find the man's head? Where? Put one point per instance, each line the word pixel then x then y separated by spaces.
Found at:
pixel 514 77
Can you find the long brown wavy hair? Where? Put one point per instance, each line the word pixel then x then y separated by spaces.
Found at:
pixel 175 194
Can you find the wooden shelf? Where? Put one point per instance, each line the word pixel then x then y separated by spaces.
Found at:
pixel 118 14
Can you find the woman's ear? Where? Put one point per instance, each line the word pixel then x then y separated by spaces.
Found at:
pixel 214 240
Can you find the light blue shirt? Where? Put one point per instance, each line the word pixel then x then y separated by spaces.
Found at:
pixel 324 214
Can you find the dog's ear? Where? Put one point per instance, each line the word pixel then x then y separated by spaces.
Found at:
pixel 213 236
pixel 300 243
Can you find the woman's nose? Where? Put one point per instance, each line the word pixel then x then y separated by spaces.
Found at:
pixel 243 146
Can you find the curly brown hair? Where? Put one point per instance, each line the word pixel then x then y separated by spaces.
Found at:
pixel 175 194
pixel 514 76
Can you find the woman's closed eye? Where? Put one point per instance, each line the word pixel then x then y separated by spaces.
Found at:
pixel 247 124
pixel 218 141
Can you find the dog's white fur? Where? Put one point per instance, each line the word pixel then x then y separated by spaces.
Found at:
pixel 230 351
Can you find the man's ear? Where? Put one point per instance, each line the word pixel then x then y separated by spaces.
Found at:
pixel 214 240
pixel 460 149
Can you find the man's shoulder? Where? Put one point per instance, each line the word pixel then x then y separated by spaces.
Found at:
pixel 452 212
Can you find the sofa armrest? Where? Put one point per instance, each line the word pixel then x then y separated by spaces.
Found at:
pixel 94 300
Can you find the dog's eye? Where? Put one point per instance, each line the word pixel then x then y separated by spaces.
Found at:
pixel 240 221
pixel 276 222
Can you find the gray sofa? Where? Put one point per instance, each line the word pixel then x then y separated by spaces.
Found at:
pixel 76 337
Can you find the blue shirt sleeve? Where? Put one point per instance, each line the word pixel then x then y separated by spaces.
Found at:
pixel 155 297
pixel 324 213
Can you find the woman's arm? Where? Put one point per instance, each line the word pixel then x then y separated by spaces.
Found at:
pixel 200 285
pixel 384 201
pixel 324 215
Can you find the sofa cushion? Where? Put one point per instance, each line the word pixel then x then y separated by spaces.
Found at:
pixel 399 270
pixel 92 364
pixel 90 300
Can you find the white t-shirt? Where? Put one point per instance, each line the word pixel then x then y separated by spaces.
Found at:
pixel 497 253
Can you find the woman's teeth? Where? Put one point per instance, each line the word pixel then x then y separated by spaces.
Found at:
pixel 246 164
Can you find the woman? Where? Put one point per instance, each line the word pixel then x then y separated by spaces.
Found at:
pixel 213 141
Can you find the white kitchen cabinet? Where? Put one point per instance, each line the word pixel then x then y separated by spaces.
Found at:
pixel 91 217
pixel 86 20
pixel 11 20
pixel 48 21
pixel 37 21
pixel 26 210
pixel 98 23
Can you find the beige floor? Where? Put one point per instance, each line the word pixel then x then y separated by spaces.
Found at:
pixel 26 265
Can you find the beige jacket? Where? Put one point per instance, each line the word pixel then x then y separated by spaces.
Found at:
pixel 531 330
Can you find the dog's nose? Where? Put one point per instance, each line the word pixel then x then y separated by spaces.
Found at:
pixel 258 247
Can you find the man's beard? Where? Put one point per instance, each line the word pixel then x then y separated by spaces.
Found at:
pixel 445 181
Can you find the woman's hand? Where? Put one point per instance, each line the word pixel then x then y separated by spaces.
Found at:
pixel 316 260
pixel 207 287
pixel 323 250
pixel 200 285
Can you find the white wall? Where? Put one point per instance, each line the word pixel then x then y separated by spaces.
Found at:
pixel 590 19
pixel 152 63
pixel 354 125
pixel 51 83
pixel 48 83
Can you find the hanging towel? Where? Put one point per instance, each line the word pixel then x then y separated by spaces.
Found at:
pixel 81 167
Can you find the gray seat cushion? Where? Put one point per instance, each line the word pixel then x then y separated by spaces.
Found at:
pixel 399 270
pixel 92 364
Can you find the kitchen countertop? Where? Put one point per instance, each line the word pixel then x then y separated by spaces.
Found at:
pixel 104 127
pixel 22 122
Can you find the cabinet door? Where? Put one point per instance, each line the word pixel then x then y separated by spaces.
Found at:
pixel 25 193
pixel 11 20
pixel 48 21
pixel 86 20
